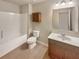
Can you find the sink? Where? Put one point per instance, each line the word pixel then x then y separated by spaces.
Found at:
pixel 61 37
pixel 64 37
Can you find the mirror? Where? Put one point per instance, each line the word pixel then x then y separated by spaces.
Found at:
pixel 66 19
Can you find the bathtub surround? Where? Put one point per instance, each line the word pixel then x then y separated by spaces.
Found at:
pixel 13 33
pixel 9 28
pixel 10 34
pixel 8 7
pixel 23 19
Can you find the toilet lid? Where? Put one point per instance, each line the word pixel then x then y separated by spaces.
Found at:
pixel 32 39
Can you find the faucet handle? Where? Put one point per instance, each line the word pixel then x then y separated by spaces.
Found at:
pixel 63 34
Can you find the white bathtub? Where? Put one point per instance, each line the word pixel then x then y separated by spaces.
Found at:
pixel 8 46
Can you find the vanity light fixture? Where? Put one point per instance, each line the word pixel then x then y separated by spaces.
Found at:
pixel 63 2
pixel 57 4
pixel 12 13
pixel 71 2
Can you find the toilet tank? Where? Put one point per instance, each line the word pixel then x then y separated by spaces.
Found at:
pixel 36 33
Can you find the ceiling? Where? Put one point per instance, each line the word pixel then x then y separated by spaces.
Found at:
pixel 22 2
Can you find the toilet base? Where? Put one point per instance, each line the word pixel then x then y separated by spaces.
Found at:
pixel 31 46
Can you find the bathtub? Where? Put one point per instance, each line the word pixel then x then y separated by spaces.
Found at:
pixel 8 46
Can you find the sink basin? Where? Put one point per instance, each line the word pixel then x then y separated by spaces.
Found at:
pixel 63 37
pixel 66 39
pixel 60 37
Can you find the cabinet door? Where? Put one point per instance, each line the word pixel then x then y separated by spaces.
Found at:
pixel 59 53
pixel 51 50
pixel 69 55
pixel 55 50
pixel 71 52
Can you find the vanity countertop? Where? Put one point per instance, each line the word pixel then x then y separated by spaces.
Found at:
pixel 71 40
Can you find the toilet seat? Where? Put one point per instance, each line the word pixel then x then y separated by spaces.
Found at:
pixel 31 40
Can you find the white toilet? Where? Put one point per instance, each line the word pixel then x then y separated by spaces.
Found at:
pixel 32 40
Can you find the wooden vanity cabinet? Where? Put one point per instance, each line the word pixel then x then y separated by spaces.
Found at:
pixel 59 50
pixel 55 52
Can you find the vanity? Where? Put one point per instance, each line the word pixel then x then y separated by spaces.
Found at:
pixel 62 46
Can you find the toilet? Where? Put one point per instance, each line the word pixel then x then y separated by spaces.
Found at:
pixel 32 40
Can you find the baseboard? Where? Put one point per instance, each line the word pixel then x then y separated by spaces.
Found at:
pixel 44 44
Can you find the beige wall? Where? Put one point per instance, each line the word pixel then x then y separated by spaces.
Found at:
pixel 8 7
pixel 24 9
pixel 46 23
pixel 23 12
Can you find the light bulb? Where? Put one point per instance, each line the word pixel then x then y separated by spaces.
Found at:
pixel 70 2
pixel 63 3
pixel 12 13
pixel 57 4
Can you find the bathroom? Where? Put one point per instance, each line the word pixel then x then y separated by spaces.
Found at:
pixel 22 37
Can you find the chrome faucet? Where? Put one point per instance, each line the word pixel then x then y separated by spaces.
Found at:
pixel 63 34
pixel 64 37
